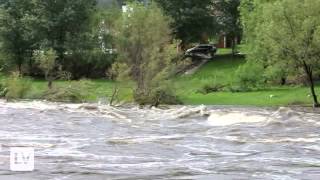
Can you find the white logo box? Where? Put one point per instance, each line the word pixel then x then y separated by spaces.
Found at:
pixel 21 159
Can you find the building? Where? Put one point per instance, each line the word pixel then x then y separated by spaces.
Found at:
pixel 226 41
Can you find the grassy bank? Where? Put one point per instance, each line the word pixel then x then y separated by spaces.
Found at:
pixel 221 70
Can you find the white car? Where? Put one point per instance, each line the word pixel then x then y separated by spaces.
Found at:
pixel 203 51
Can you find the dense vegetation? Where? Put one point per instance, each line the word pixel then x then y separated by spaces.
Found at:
pixel 137 54
pixel 73 29
pixel 284 39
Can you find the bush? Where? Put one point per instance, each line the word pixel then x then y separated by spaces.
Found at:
pixel 47 63
pixel 143 36
pixel 210 88
pixel 156 97
pixel 238 88
pixel 75 92
pixel 250 75
pixel 276 74
pixel 16 86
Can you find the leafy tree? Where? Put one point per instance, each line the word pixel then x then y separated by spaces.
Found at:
pixel 228 16
pixel 108 3
pixel 47 62
pixel 18 34
pixel 143 38
pixel 63 20
pixel 92 52
pixel 193 20
pixel 77 30
pixel 287 32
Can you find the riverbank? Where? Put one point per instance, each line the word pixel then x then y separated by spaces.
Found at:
pixel 221 70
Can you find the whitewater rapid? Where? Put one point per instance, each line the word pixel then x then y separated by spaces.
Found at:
pixel 92 141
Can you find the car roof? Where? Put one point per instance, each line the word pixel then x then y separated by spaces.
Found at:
pixel 205 45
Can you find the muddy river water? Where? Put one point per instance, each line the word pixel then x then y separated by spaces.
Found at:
pixel 182 142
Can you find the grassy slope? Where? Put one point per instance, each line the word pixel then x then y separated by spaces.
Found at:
pixel 221 70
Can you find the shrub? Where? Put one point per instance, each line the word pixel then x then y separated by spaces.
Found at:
pixel 157 97
pixel 238 88
pixel 16 86
pixel 276 74
pixel 47 63
pixel 75 92
pixel 210 88
pixel 250 75
pixel 143 35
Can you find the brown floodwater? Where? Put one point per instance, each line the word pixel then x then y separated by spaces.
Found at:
pixel 99 142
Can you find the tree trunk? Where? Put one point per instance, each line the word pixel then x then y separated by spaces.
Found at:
pixel 283 81
pixel 49 79
pixel 233 45
pixel 309 74
pixel 114 95
pixel 50 84
pixel 20 69
pixel 30 67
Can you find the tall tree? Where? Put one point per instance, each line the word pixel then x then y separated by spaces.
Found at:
pixel 18 34
pixel 46 60
pixel 64 20
pixel 287 32
pixel 193 20
pixel 143 38
pixel 228 16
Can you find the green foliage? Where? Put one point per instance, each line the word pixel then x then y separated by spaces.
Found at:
pixel 157 97
pixel 75 29
pixel 210 88
pixel 46 60
pixel 18 33
pixel 250 13
pixel 64 20
pixel 3 89
pixel 143 37
pixel 228 17
pixel 93 51
pixel 16 86
pixel 250 75
pixel 75 91
pixel 276 74
pixel 221 71
pixel 192 20
pixel 285 32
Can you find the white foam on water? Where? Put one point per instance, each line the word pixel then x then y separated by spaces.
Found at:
pixel 285 113
pixel 293 140
pixel 35 145
pixel 232 118
pixel 185 112
pixel 40 105
pixel 130 140
pixel 105 111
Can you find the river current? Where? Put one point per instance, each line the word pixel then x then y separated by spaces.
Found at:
pixel 74 141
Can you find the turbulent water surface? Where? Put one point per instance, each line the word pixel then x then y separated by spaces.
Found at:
pixel 100 142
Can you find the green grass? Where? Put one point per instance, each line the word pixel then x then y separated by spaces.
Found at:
pixel 224 51
pixel 282 97
pixel 221 70
pixel 99 88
